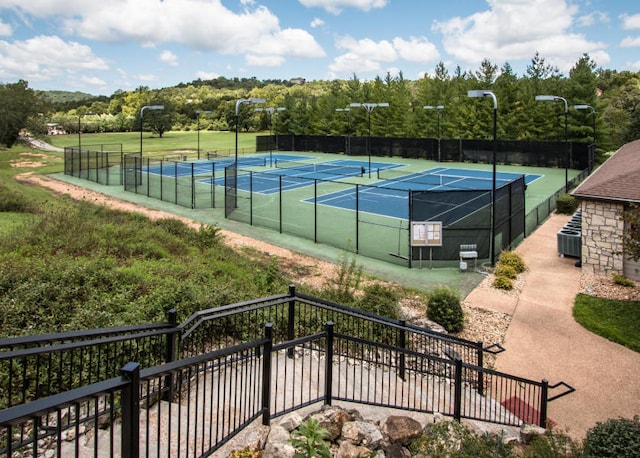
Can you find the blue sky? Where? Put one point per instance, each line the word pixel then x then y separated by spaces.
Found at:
pixel 102 46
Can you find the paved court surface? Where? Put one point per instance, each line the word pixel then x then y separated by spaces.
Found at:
pixel 544 341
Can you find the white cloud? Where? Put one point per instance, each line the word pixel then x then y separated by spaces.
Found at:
pixel 207 75
pixel 317 22
pixel 199 24
pixel 93 81
pixel 336 6
pixel 169 58
pixel 5 29
pixel 366 55
pixel 517 29
pixel 630 22
pixel 147 77
pixel 416 49
pixel 42 57
pixel 630 42
pixel 592 18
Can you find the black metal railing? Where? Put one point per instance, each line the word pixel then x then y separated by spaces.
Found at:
pixel 33 367
pixel 193 406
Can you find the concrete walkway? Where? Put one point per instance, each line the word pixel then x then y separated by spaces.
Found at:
pixel 544 341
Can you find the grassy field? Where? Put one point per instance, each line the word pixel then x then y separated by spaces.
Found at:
pixel 170 141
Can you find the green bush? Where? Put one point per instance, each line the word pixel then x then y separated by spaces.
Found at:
pixel 452 439
pixel 513 259
pixel 505 270
pixel 613 438
pixel 622 281
pixel 553 444
pixel 502 282
pixel 566 204
pixel 381 300
pixel 444 308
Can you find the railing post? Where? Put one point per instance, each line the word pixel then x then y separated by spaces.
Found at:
pixel 480 364
pixel 170 353
pixel 544 395
pixel 402 343
pixel 291 318
pixel 130 447
pixel 266 375
pixel 328 371
pixel 457 396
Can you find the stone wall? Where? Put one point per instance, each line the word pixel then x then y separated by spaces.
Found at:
pixel 602 232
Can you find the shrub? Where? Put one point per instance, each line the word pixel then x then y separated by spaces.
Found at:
pixel 381 300
pixel 553 444
pixel 566 204
pixel 622 281
pixel 444 308
pixel 505 270
pixel 452 439
pixel 502 282
pixel 613 438
pixel 308 440
pixel 513 259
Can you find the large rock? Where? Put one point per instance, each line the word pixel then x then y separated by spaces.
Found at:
pixel 332 418
pixel 362 433
pixel 278 445
pixel 402 430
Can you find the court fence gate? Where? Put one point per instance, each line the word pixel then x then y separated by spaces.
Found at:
pixel 186 389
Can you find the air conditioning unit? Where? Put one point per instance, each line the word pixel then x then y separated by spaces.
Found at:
pixel 570 242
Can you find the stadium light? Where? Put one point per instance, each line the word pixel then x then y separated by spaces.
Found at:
pixel 369 107
pixel 148 107
pixel 80 129
pixel 347 139
pixel 593 113
pixel 238 103
pixel 199 112
pixel 555 98
pixel 488 93
pixel 439 109
pixel 270 112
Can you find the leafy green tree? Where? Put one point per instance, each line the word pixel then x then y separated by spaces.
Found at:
pixel 631 240
pixel 19 107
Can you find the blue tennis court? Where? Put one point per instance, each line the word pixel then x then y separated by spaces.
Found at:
pixel 389 197
pixel 292 173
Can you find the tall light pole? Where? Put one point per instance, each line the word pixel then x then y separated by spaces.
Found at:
pixel 369 107
pixel 488 93
pixel 148 107
pixel 347 141
pixel 270 112
pixel 555 98
pixel 80 129
pixel 593 114
pixel 439 109
pixel 199 112
pixel 238 103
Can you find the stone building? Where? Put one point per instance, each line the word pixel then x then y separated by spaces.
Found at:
pixel 604 195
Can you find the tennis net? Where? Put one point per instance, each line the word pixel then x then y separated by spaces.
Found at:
pixel 323 168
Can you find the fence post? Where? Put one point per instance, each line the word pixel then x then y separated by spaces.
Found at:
pixel 480 364
pixel 291 319
pixel 130 404
pixel 328 372
pixel 457 396
pixel 266 375
pixel 544 395
pixel 402 343
pixel 170 353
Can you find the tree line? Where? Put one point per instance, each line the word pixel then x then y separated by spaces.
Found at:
pixel 608 100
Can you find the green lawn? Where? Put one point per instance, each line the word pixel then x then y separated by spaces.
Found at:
pixel 170 141
pixel 613 320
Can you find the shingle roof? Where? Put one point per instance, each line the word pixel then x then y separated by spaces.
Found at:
pixel 617 179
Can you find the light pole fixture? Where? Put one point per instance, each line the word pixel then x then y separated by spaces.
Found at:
pixel 593 113
pixel 147 107
pixel 488 93
pixel 369 107
pixel 199 112
pixel 270 112
pixel 80 129
pixel 555 98
pixel 238 103
pixel 347 140
pixel 439 109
